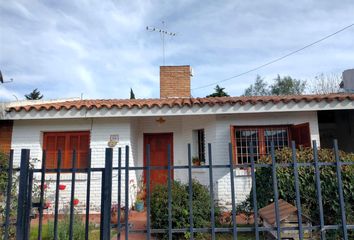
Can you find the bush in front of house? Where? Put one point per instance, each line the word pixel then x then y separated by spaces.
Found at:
pixel 307 183
pixel 180 207
pixel 4 162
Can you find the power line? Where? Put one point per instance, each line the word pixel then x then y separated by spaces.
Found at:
pixel 277 59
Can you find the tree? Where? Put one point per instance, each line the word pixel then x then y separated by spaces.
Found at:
pixel 132 95
pixel 325 84
pixel 34 95
pixel 287 86
pixel 259 88
pixel 219 92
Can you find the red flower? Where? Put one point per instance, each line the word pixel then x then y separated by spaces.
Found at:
pixel 76 201
pixel 46 205
pixel 62 187
pixel 45 186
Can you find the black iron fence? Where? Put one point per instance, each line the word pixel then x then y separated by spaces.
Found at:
pixel 22 221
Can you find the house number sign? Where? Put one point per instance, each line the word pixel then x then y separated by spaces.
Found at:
pixel 113 140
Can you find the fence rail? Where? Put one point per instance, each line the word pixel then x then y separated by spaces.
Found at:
pixel 26 173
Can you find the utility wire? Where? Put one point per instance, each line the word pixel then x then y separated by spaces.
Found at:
pixel 277 59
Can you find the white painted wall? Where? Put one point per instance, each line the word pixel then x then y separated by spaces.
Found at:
pixel 28 134
pixel 222 139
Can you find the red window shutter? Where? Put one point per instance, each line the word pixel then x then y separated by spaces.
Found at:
pixel 67 142
pixel 83 150
pixel 50 148
pixel 301 135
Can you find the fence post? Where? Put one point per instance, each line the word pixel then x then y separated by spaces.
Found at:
pixel 56 203
pixel 106 196
pixel 119 184
pixel 28 204
pixel 340 190
pixel 126 209
pixel 42 189
pixel 233 195
pixel 254 192
pixel 22 195
pixel 148 193
pixel 190 193
pixel 72 197
pixel 211 183
pixel 169 186
pixel 297 190
pixel 88 194
pixel 318 190
pixel 275 190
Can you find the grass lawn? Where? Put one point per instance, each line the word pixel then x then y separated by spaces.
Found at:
pixel 63 231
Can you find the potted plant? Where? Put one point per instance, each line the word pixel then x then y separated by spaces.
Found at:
pixel 139 205
pixel 140 196
pixel 196 161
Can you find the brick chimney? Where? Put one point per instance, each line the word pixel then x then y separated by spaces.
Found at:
pixel 175 81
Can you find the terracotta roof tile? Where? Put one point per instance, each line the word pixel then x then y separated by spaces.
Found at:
pixel 179 102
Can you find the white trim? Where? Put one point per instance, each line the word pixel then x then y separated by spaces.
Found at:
pixel 179 111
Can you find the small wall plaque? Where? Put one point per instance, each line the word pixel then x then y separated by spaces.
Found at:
pixel 113 140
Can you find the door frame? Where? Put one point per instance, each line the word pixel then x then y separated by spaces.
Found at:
pixel 144 152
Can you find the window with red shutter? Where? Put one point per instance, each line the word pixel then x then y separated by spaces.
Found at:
pixel 301 135
pixel 66 142
pixel 261 138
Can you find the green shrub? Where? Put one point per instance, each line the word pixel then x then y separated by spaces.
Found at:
pixel 4 161
pixel 307 183
pixel 180 207
pixel 63 229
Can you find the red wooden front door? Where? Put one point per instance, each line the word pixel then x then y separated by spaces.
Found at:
pixel 158 156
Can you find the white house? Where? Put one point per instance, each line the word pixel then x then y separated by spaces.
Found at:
pixel 177 119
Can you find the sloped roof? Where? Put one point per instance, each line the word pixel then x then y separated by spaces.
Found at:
pixel 178 102
pixel 268 212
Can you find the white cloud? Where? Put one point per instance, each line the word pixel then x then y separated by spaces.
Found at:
pixel 101 48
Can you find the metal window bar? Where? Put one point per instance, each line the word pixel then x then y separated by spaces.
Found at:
pixel 25 196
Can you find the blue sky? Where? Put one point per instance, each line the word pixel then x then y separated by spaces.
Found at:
pixel 101 48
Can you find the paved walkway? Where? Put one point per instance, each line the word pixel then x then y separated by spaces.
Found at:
pixel 138 221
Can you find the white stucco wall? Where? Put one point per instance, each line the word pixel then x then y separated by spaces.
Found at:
pixel 28 134
pixel 222 139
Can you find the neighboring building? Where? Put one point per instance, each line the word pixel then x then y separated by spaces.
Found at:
pixel 175 119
